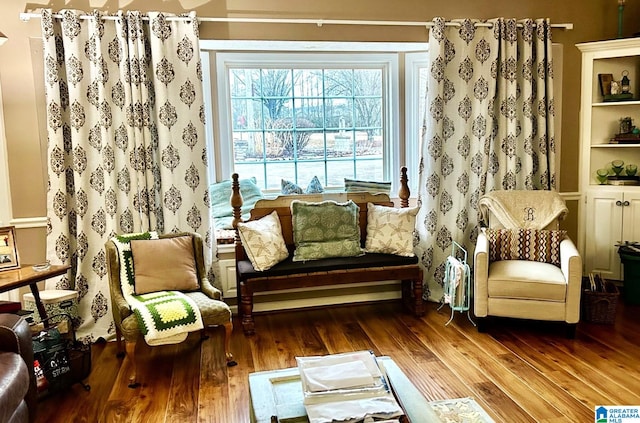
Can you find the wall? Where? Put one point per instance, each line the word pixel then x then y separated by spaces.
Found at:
pixel 593 20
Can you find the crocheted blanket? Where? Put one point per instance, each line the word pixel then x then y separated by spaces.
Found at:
pixel 164 317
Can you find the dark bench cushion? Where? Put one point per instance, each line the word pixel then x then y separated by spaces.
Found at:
pixel 289 267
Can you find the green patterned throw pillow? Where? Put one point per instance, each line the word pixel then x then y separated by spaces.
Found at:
pixel 325 229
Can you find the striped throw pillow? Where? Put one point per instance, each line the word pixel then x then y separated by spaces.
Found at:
pixel 525 244
pixel 355 185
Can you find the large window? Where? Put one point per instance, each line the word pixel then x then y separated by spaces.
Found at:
pixel 304 113
pixel 297 123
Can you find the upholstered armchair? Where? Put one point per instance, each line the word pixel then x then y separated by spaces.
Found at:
pixel 18 392
pixel 524 267
pixel 208 298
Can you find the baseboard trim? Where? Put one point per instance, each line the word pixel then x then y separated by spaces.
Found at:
pixel 278 302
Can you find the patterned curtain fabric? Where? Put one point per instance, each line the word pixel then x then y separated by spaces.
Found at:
pixel 127 151
pixel 489 125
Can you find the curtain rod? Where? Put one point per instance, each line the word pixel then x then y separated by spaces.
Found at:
pixel 26 16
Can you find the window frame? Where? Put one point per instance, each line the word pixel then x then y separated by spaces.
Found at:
pixel 217 55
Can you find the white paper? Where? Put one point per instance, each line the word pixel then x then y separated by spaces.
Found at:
pixel 346 388
pixel 352 374
pixel 383 407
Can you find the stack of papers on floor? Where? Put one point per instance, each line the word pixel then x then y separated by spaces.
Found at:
pixel 347 388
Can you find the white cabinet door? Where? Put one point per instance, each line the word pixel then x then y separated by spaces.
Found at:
pixel 604 214
pixel 228 278
pixel 631 216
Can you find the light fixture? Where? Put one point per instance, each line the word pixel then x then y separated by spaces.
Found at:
pixel 3 38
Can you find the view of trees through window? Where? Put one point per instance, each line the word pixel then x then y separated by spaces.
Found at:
pixel 295 123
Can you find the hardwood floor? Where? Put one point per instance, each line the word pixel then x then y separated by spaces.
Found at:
pixel 518 371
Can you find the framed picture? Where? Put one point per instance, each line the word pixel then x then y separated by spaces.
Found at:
pixel 605 80
pixel 8 249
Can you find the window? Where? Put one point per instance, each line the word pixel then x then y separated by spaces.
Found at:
pixel 307 113
pixel 295 123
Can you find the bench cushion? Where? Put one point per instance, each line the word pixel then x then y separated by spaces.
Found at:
pixel 290 267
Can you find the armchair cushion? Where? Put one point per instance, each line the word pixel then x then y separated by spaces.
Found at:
pixel 526 280
pixel 525 244
pixel 166 264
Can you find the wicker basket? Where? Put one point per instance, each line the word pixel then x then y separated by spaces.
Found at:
pixel 600 307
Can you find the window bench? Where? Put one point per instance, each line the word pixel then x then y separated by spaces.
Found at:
pixel 324 272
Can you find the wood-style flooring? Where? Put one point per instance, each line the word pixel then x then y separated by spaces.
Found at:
pixel 518 371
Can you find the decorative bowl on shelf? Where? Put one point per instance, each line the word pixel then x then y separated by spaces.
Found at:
pixel 631 169
pixel 617 166
pixel 602 175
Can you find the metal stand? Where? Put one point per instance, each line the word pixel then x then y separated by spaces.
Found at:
pixel 450 288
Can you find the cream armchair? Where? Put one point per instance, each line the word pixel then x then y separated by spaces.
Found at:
pixel 525 289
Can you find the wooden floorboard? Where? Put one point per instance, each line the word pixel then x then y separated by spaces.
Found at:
pixel 518 371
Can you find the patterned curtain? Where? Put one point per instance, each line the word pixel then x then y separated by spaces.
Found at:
pixel 489 125
pixel 127 151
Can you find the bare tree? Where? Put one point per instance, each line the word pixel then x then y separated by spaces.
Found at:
pixel 359 85
pixel 290 141
pixel 277 89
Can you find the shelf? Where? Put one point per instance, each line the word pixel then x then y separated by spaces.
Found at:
pixel 615 187
pixel 632 145
pixel 616 103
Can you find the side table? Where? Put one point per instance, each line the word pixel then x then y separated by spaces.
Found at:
pixel 25 275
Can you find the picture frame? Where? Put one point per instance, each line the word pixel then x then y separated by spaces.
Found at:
pixel 605 80
pixel 8 249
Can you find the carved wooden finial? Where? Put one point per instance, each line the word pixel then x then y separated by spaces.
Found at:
pixel 236 203
pixel 404 193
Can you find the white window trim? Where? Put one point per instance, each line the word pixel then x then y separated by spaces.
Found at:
pixel 413 61
pixel 215 52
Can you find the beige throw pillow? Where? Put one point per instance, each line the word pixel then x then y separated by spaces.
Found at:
pixel 166 264
pixel 390 230
pixel 262 240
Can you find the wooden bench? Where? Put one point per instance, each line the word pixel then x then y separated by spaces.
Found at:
pixel 331 271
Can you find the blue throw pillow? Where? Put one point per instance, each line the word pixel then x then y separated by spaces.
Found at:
pixel 314 187
pixel 289 187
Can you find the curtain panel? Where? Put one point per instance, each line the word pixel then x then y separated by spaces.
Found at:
pixel 126 144
pixel 489 125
